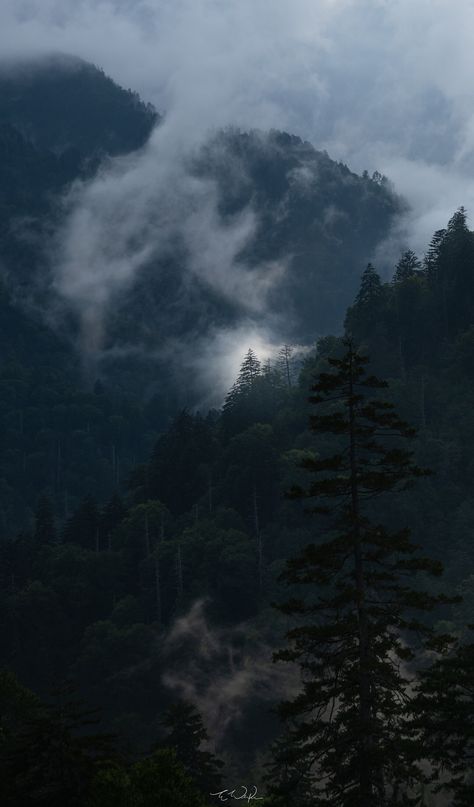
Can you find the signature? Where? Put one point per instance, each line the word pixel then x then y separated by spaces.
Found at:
pixel 239 793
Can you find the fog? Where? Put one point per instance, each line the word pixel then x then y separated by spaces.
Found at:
pixel 380 84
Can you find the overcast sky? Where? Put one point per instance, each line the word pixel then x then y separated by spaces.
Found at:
pixel 383 84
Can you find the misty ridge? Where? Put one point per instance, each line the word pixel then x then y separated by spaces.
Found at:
pixel 245 237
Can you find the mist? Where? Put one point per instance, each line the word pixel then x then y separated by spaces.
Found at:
pixel 244 685
pixel 380 85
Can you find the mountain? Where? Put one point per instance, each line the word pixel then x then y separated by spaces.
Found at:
pixel 60 120
pixel 61 103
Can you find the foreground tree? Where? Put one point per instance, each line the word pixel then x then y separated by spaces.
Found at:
pixel 444 712
pixel 186 737
pixel 350 720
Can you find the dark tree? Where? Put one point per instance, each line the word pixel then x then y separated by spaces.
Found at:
pixel 288 777
pixel 445 715
pixel 355 618
pixel 407 267
pixel 370 287
pixel 83 526
pixel 52 758
pixel 178 474
pixel 45 530
pixel 186 735
pixel 110 517
pixel 285 356
pixel 238 400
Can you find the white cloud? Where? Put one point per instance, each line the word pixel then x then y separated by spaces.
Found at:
pixel 383 84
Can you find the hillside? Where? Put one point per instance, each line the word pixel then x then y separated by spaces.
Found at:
pixel 59 119
pixel 61 103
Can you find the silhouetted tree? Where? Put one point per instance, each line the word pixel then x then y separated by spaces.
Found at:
pixel 186 735
pixel 351 715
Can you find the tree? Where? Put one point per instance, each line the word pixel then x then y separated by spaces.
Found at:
pixel 288 777
pixel 45 531
pixel 285 356
pixel 156 781
pixel 407 267
pixel 351 713
pixel 370 287
pixel 238 404
pixel 178 470
pixel 431 259
pixel 444 710
pixel 366 320
pixel 110 517
pixel 83 526
pixel 253 398
pixel 186 735
pixel 52 757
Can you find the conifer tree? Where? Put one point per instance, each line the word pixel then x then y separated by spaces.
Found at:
pixel 186 736
pixel 370 287
pixel 53 756
pixel 285 355
pixel 432 258
pixel 351 713
pixel 251 397
pixel 250 370
pixel 444 709
pixel 407 267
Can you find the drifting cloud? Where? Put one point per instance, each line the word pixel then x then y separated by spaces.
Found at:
pixel 243 675
pixel 381 84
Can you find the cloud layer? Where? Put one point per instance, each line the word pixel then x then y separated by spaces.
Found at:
pixel 381 84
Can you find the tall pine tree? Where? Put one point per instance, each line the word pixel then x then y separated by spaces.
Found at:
pixel 350 719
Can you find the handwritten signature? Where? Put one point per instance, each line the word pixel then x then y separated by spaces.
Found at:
pixel 246 794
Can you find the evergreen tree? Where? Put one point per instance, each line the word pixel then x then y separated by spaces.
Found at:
pixel 432 257
pixel 254 396
pixel 351 714
pixel 288 778
pixel 178 471
pixel 159 780
pixel 240 392
pixel 249 370
pixel 285 356
pixel 53 756
pixel 407 267
pixel 370 290
pixel 444 709
pixel 186 735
